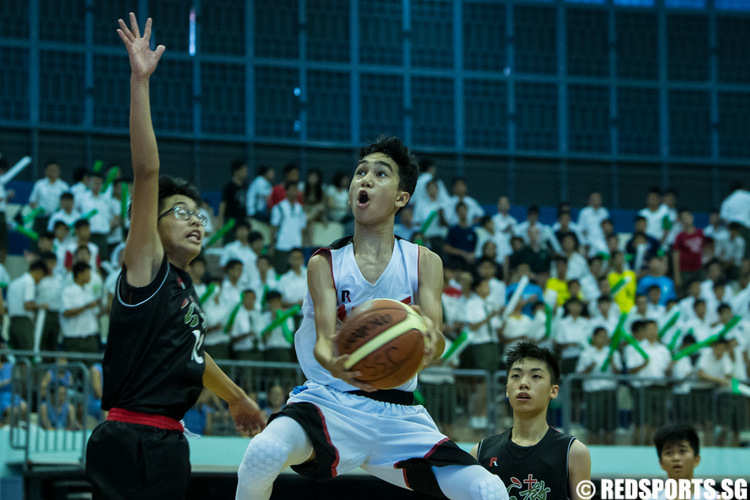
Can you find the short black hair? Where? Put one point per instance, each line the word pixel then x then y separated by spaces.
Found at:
pixel 675 433
pixel 527 350
pixel 45 256
pixel 290 167
pixel 254 236
pixel 273 295
pixel 79 267
pixel 59 223
pixel 393 148
pixel 237 164
pixel 47 235
pixel 67 195
pixel 171 186
pixel 231 263
pixel 38 265
pixel 81 223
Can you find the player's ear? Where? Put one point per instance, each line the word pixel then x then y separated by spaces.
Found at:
pixel 554 391
pixel 402 199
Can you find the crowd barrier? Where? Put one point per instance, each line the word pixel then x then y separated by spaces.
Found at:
pixel 467 405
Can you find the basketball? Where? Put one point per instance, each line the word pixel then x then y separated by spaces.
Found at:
pixel 383 338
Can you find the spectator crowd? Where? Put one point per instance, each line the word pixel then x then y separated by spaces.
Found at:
pixel 660 300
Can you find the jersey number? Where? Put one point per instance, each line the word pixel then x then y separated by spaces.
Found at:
pixel 197 347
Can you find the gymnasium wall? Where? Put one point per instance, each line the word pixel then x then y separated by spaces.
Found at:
pixel 541 100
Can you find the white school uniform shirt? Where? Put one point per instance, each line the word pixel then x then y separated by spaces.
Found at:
pixel 257 195
pixel 719 368
pixel 590 224
pixel 597 356
pixel 275 338
pixel 230 294
pixel 422 211
pixel 102 203
pixel 20 291
pixel 293 286
pixel 732 250
pixel 246 322
pixel 505 225
pixel 420 190
pixel 399 281
pixel 475 210
pixel 546 236
pixel 736 207
pixel 657 366
pixel 578 267
pixel 290 221
pixel 516 327
pixel 683 370
pixel 655 221
pixel 46 194
pixel 573 330
pixel 475 309
pixel 84 324
pixel 61 215
pixel 49 291
pixel 237 251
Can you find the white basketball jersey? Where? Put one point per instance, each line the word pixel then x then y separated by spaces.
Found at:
pixel 399 281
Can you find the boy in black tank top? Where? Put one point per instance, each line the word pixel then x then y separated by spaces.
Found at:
pixel 533 459
pixel 154 366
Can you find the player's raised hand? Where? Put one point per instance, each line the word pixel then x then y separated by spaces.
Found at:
pixel 143 60
pixel 248 418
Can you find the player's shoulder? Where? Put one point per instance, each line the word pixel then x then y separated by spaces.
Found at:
pixel 428 258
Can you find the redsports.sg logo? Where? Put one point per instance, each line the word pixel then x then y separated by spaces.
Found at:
pixel 669 489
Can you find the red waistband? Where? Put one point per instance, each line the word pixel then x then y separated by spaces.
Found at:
pixel 134 417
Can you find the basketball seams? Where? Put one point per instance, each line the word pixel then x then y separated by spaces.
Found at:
pixel 411 322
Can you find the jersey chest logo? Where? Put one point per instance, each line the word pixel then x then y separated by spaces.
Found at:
pixel 193 316
pixel 528 489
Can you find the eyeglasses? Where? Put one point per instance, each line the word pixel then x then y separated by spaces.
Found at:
pixel 183 213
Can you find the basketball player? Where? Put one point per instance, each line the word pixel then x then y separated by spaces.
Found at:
pixel 533 459
pixel 154 365
pixel 333 424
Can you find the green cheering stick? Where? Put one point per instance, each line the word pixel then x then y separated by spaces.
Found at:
pixel 221 232
pixel 233 314
pixel 740 388
pixel 281 317
pixel 207 294
pixel 89 214
pixel 669 324
pixel 696 347
pixel 111 176
pixel 619 330
pixel 617 287
pixel 428 221
pixel 98 165
pixel 32 215
pixel 457 346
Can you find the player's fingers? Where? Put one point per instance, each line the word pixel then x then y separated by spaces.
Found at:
pixel 134 26
pixel 124 30
pixel 147 29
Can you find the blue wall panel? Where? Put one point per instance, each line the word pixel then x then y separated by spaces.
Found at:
pixel 62 87
pixel 223 98
pixel 486 114
pixel 381 32
pixel 329 105
pixel 484 30
pixel 432 33
pixel 277 108
pixel 433 112
pixel 537 116
pixel 14 80
pixel 382 105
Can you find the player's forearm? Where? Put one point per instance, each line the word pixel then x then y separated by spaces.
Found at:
pixel 217 382
pixel 143 146
pixel 323 352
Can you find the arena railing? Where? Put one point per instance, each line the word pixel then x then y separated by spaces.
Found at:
pixel 636 406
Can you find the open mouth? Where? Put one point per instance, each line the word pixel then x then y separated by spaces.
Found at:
pixel 523 396
pixel 363 198
pixel 194 236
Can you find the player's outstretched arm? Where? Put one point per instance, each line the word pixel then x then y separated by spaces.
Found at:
pixel 579 468
pixel 323 295
pixel 245 412
pixel 430 307
pixel 143 250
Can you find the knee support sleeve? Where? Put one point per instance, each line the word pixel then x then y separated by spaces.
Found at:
pixel 264 459
pixel 488 488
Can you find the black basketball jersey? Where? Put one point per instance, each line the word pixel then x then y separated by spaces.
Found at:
pixel 154 358
pixel 538 472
